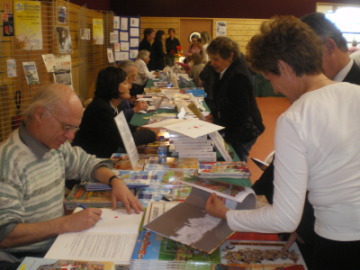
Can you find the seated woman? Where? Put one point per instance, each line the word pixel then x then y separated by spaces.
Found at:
pixel 98 132
pixel 315 146
pixel 144 74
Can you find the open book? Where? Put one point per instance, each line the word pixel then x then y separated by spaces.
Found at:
pixel 111 239
pixel 189 223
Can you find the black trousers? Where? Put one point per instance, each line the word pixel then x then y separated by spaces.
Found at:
pixel 335 255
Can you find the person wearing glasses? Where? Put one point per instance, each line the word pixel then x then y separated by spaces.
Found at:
pixel 98 134
pixel 36 159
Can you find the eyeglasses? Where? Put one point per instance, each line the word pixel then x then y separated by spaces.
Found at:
pixel 65 127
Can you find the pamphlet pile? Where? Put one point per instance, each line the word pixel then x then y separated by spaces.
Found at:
pixel 232 169
pixel 79 196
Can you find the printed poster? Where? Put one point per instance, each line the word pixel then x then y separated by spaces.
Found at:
pixel 27 18
pixel 11 68
pixel 49 61
pixel 64 39
pixel 221 28
pixel 110 55
pixel 114 37
pixel 116 22
pixel 85 34
pixel 98 31
pixel 62 70
pixel 124 24
pixel 30 72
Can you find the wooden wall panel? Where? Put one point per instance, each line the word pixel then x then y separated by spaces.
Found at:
pixel 87 58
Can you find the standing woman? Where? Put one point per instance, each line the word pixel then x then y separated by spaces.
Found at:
pixel 235 106
pixel 205 40
pixel 98 134
pixel 171 47
pixel 316 144
pixel 158 51
pixel 146 44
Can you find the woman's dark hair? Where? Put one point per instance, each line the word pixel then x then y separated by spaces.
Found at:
pixel 159 34
pixel 147 32
pixel 107 83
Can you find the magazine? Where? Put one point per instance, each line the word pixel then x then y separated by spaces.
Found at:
pixel 33 263
pixel 249 253
pixel 189 223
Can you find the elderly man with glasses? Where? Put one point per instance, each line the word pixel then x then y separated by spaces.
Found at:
pixel 35 161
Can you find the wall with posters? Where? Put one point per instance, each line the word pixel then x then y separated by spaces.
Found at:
pixel 48 41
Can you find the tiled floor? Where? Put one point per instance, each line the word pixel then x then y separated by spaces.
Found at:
pixel 271 108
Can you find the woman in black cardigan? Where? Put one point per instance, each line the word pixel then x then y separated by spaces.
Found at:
pixel 235 106
pixel 98 132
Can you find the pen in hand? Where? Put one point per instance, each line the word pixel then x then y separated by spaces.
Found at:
pixel 84 207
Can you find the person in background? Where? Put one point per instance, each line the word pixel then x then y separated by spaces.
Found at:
pixel 289 54
pixel 356 57
pixel 336 63
pixel 158 51
pixel 99 134
pixel 205 40
pixel 131 106
pixel 235 106
pixel 171 44
pixel 353 48
pixel 144 74
pixel 36 160
pixel 196 66
pixel 194 47
pixel 146 44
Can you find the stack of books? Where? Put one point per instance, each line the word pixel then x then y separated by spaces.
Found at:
pixel 200 148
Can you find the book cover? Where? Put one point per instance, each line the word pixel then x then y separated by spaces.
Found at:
pixel 176 164
pixel 231 191
pixel 231 169
pixel 33 263
pixel 255 254
pixel 160 252
pixel 162 193
pixel 79 195
pixel 188 223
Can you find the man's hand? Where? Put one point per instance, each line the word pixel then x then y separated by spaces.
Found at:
pixel 82 220
pixel 216 207
pixel 120 192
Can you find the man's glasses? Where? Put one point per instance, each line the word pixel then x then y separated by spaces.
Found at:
pixel 65 127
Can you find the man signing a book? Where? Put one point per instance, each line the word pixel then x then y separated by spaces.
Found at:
pixel 36 160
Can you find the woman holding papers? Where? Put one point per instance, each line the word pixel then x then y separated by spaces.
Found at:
pixel 235 106
pixel 99 134
pixel 316 147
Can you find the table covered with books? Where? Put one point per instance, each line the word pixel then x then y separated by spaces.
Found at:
pixel 175 232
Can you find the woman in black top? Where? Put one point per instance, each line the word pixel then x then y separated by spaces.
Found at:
pixel 158 52
pixel 146 44
pixel 98 134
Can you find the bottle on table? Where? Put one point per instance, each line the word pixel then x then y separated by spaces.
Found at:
pixel 162 150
